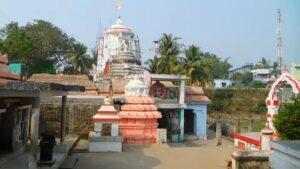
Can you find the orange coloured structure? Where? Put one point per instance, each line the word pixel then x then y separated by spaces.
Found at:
pixel 5 72
pixel 139 120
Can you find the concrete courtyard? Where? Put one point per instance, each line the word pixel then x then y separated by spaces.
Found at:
pixel 187 155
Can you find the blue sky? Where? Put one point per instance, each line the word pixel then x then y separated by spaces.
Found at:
pixel 244 30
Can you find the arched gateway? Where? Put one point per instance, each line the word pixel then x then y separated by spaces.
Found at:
pixel 272 101
pixel 285 84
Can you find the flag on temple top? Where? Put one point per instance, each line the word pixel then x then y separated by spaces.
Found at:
pixel 119 5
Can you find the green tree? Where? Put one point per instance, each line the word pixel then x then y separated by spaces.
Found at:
pixel 38 44
pixel 263 64
pixel 287 121
pixel 80 61
pixel 243 78
pixel 167 50
pixel 15 42
pixel 52 43
pixel 257 84
pixel 218 69
pixel 200 68
pixel 152 64
pixel 193 67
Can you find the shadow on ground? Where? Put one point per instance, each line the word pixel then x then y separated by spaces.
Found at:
pixel 132 157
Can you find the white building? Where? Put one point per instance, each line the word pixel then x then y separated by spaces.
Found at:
pixel 263 75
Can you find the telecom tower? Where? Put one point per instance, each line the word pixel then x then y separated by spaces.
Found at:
pixel 279 42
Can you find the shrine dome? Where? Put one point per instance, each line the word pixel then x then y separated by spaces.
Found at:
pixel 119 27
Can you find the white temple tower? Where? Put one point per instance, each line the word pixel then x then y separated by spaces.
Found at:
pixel 119 52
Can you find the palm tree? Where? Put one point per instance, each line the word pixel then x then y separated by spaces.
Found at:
pixel 168 50
pixel 152 64
pixel 80 61
pixel 193 67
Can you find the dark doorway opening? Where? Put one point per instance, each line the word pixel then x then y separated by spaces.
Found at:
pixel 169 121
pixel 188 121
pixel 6 132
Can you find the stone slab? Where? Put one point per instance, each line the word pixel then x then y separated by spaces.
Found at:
pixel 93 137
pixel 105 146
pixel 286 154
pixel 41 86
pixel 69 163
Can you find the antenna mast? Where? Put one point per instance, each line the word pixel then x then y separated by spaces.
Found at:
pixel 279 41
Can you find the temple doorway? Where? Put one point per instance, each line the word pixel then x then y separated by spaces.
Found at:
pixel 14 129
pixel 189 121
pixel 169 121
pixel 6 135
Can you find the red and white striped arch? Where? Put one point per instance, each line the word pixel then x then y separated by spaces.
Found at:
pixel 286 77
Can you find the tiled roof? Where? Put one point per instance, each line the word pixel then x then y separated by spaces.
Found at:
pixel 194 90
pixel 165 83
pixel 195 94
pixel 80 80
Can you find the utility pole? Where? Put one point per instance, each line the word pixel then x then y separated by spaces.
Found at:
pixel 279 41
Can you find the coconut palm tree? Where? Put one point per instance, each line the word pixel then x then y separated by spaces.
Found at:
pixel 193 67
pixel 152 64
pixel 80 61
pixel 168 50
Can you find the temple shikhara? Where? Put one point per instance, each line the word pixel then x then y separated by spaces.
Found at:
pixel 119 53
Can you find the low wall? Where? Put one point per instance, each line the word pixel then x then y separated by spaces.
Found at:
pixel 237 103
pixel 286 154
pixel 80 110
pixel 250 159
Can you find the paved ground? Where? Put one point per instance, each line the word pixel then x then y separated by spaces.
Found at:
pixel 188 155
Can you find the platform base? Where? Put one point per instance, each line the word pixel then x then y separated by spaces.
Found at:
pixel 105 143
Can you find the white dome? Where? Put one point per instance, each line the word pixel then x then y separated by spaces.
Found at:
pixel 118 27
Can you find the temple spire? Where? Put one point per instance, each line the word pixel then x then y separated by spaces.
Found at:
pixel 119 21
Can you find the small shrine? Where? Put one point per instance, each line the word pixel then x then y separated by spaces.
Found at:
pixel 105 137
pixel 139 114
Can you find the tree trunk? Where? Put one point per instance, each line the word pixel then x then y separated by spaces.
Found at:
pixel 250 125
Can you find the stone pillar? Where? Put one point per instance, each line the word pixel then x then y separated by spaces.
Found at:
pixel 35 120
pixel 114 129
pixel 265 138
pixel 181 124
pixel 250 125
pixel 34 133
pixel 98 128
pixel 63 119
pixel 219 133
pixel 182 92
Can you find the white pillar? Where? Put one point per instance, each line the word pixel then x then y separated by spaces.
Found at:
pixel 35 120
pixel 34 133
pixel 98 128
pixel 265 138
pixel 114 129
pixel 182 92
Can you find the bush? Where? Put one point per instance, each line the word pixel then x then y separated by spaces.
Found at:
pixel 287 121
pixel 257 84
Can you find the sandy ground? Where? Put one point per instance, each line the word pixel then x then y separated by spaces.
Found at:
pixel 187 155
